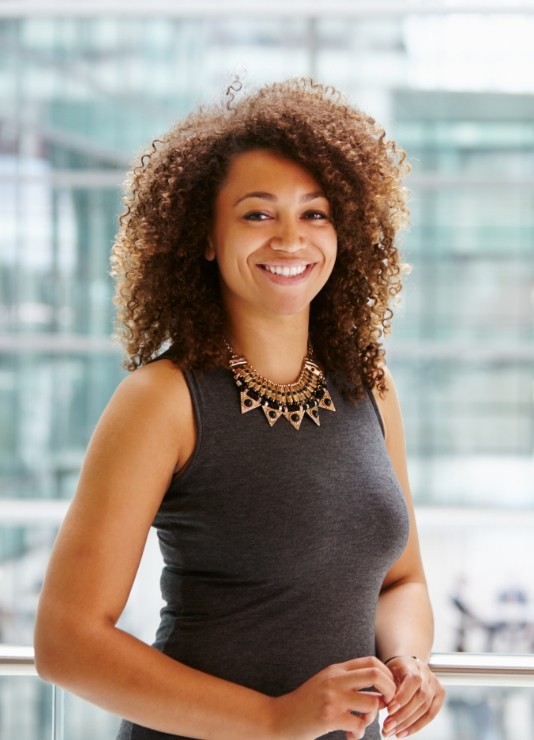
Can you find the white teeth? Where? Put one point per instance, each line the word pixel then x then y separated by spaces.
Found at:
pixel 285 271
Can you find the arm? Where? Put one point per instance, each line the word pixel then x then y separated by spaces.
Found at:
pixel 144 435
pixel 136 446
pixel 404 623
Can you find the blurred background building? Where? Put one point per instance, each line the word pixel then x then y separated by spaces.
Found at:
pixel 84 85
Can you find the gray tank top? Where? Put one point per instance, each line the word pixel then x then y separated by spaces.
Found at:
pixel 275 543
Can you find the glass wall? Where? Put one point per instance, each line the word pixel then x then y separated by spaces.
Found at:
pixel 475 712
pixel 80 95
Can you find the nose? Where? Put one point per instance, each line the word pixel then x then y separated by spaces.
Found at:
pixel 288 237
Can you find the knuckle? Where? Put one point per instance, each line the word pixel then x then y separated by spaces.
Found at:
pixel 417 680
pixel 329 697
pixel 332 671
pixel 427 703
pixel 374 672
pixel 328 677
pixel 328 711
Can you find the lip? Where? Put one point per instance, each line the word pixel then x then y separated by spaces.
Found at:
pixel 286 279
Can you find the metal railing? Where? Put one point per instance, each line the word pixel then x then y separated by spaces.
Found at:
pixel 17 661
pixel 483 669
pixel 453 669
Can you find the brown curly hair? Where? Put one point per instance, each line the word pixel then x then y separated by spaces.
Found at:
pixel 168 293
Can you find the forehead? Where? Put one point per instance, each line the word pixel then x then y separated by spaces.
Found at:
pixel 261 169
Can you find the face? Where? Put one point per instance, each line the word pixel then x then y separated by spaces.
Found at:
pixel 272 236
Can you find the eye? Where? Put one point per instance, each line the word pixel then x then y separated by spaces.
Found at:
pixel 315 215
pixel 256 216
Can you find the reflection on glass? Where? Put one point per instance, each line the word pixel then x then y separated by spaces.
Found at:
pixel 49 404
pixel 25 708
pixel 469 428
pixel 482 713
pixel 23 556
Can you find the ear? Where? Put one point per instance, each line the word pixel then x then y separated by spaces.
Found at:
pixel 209 252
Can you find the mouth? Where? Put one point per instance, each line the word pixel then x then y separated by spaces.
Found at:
pixel 287 270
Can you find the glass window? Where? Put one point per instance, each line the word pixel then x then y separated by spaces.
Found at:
pixel 81 95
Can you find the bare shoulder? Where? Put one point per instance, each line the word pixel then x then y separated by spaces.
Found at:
pixel 155 400
pixel 156 380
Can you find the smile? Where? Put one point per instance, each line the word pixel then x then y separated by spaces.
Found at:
pixel 285 270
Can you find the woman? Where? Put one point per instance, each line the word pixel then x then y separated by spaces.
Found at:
pixel 256 234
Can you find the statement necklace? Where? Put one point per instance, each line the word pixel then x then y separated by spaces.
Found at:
pixel 293 400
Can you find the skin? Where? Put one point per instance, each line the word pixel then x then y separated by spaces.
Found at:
pixel 404 623
pixel 269 214
pixel 126 473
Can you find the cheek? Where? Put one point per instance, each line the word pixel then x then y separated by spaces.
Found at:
pixel 332 249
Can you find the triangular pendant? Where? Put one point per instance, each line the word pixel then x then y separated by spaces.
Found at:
pixel 314 415
pixel 294 418
pixel 326 401
pixel 272 415
pixel 248 403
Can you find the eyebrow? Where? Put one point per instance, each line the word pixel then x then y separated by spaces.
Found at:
pixel 272 198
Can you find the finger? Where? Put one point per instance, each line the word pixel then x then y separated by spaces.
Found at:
pixel 353 725
pixel 423 707
pixel 352 736
pixel 433 710
pixel 407 729
pixel 362 702
pixel 406 705
pixel 381 701
pixel 365 720
pixel 373 684
pixel 409 687
pixel 375 678
pixel 369 661
pixel 344 713
pixel 397 723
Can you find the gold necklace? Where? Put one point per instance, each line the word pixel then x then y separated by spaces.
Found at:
pixel 293 400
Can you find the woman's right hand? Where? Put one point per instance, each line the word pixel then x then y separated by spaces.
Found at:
pixel 334 699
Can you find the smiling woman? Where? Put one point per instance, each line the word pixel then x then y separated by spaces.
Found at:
pixel 166 290
pixel 255 264
pixel 275 247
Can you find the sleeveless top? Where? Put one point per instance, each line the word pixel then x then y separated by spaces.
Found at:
pixel 275 543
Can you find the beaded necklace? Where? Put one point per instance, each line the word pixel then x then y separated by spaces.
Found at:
pixel 293 400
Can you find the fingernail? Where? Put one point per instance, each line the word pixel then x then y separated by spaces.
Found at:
pixel 394 707
pixel 403 734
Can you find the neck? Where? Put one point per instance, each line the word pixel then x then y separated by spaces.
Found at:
pixel 276 349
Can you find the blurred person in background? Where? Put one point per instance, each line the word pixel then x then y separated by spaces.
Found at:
pixel 260 433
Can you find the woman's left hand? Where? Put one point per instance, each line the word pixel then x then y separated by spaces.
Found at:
pixel 418 699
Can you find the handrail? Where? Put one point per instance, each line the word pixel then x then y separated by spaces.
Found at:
pixel 17 661
pixel 483 669
pixel 453 669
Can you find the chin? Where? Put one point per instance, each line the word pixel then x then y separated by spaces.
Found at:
pixel 290 309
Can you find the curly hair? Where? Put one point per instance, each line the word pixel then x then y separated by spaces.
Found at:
pixel 167 292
